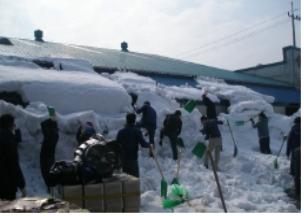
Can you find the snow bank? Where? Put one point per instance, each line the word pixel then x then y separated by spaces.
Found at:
pixel 17 62
pixel 69 64
pixel 234 93
pixel 67 91
pixel 249 181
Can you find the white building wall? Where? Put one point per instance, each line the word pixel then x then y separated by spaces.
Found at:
pixel 287 71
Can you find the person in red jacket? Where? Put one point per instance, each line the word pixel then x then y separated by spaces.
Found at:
pixel 11 175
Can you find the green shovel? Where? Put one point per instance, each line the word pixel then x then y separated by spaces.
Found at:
pixel 275 162
pixel 175 179
pixel 199 149
pixel 163 183
pixel 190 105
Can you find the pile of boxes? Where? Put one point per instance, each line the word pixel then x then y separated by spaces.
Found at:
pixel 119 193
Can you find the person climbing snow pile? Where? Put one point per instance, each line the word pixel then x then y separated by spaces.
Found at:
pixel 172 127
pixel 213 135
pixel 148 120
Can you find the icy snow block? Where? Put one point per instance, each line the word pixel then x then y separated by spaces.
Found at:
pixel 131 193
pixel 113 201
pixel 190 105
pixel 93 197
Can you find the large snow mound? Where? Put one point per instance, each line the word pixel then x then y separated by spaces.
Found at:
pixel 67 91
pixel 249 181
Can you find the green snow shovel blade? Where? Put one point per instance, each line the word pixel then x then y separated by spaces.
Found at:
pixel 239 123
pixel 51 111
pixel 180 142
pixel 199 149
pixel 179 191
pixel 163 188
pixel 175 181
pixel 168 203
pixel 190 105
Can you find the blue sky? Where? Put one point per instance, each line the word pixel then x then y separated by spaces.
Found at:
pixel 230 34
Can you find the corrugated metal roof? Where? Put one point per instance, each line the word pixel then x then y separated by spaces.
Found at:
pixel 108 58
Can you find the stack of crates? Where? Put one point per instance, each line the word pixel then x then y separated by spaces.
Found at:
pixel 119 193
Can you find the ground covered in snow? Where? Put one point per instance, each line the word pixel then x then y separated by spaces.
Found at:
pixel 249 182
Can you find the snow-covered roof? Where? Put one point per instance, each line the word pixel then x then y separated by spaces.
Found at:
pixel 67 91
pixel 133 61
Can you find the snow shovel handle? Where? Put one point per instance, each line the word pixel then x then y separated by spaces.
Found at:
pixel 235 147
pixel 283 142
pixel 217 181
pixel 178 162
pixel 157 164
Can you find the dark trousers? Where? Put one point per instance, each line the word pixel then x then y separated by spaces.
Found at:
pixel 173 141
pixel 130 167
pixel 45 166
pixel 8 195
pixel 297 182
pixel 264 145
pixel 150 130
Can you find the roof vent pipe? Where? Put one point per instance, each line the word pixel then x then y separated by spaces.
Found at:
pixel 5 41
pixel 124 46
pixel 38 35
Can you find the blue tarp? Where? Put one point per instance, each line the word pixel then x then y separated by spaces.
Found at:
pixel 282 95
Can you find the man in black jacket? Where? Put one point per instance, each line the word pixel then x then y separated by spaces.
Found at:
pixel 172 129
pixel 47 154
pixel 213 134
pixel 211 111
pixel 294 138
pixel 11 175
pixel 295 170
pixel 148 120
pixel 129 139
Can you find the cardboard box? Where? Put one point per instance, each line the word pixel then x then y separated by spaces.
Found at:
pixel 131 194
pixel 93 197
pixel 119 193
pixel 113 194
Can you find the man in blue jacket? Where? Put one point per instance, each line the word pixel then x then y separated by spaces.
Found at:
pixel 129 139
pixel 148 120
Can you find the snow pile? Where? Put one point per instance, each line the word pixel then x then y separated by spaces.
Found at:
pixel 67 91
pixel 133 82
pixel 236 94
pixel 249 181
pixel 68 64
pixel 17 62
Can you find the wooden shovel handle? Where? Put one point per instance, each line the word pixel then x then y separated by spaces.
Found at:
pixel 157 164
pixel 178 161
pixel 217 181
